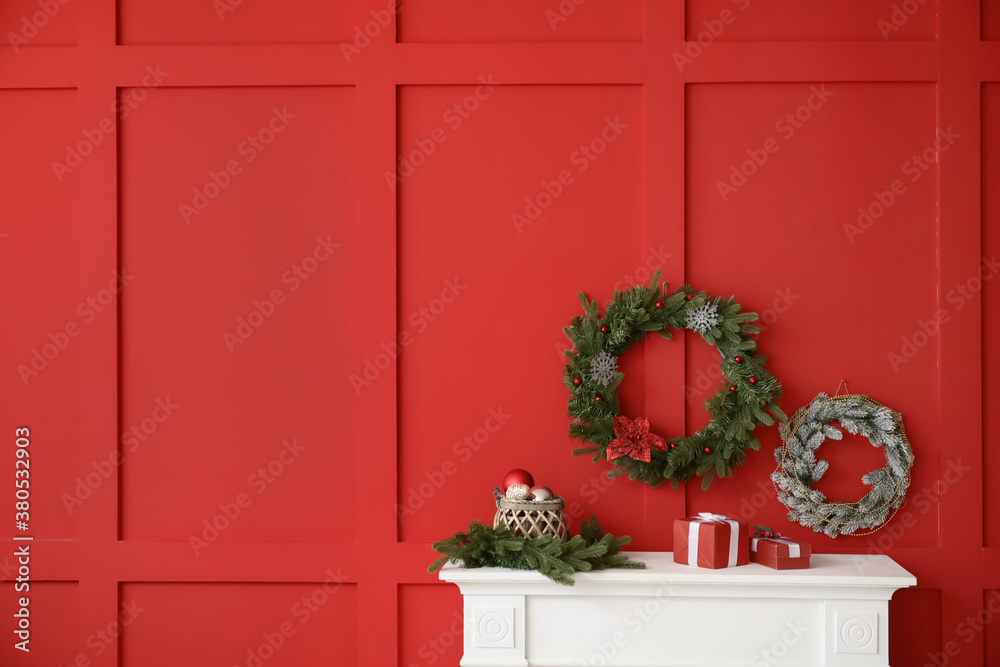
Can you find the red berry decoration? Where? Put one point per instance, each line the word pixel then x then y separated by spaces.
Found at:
pixel 577 381
pixel 598 398
pixel 689 297
pixel 738 360
pixel 708 450
pixel 752 379
pixel 732 387
pixel 673 445
pixel 659 304
pixel 604 330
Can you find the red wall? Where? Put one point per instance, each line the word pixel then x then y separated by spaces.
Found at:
pixel 337 316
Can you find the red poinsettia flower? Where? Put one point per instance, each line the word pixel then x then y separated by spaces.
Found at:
pixel 634 440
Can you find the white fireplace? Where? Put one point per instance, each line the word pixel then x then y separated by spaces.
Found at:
pixel 836 613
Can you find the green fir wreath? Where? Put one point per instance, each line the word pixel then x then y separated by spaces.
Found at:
pixel 798 469
pixel 747 397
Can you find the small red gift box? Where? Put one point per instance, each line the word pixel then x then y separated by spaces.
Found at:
pixel 780 553
pixel 711 540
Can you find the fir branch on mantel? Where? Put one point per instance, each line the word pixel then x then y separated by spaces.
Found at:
pixel 483 546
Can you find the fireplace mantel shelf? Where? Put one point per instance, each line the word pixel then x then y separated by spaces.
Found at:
pixel 835 614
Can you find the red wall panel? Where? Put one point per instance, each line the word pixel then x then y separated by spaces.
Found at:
pixel 234 22
pixel 765 219
pixel 521 21
pixel 431 625
pixel 991 311
pixel 237 623
pixel 48 316
pixel 28 23
pixel 470 252
pixel 788 20
pixel 991 607
pixel 225 296
pixel 916 626
pixel 360 231
pixel 990 20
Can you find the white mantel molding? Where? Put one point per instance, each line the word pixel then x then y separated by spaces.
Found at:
pixel 833 614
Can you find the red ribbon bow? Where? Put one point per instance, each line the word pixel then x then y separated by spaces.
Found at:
pixel 634 440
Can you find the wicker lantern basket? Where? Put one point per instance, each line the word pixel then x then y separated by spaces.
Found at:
pixel 533 518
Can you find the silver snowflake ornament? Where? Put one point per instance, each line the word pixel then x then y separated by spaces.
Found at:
pixel 603 368
pixel 703 318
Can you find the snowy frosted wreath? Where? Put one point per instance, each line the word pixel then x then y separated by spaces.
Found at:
pixel 747 397
pixel 798 468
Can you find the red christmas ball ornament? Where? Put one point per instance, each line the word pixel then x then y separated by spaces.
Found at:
pixel 517 476
pixel 732 387
pixel 689 297
pixel 708 450
pixel 752 379
pixel 604 329
pixel 577 381
pixel 659 304
pixel 738 360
